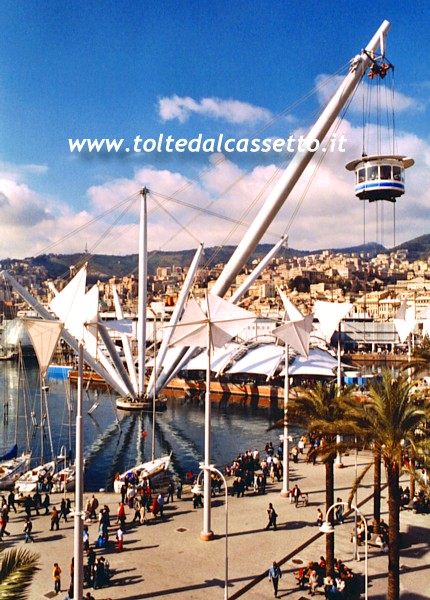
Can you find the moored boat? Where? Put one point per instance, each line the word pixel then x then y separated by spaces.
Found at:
pixel 142 472
pixel 39 476
pixel 12 469
pixel 64 480
pixel 141 404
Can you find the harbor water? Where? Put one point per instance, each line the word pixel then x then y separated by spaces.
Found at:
pixel 115 441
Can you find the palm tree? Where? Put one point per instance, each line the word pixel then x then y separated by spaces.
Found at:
pixel 323 411
pixel 376 489
pixel 420 359
pixel 391 419
pixel 17 570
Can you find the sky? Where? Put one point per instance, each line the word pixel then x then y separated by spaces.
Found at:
pixel 244 70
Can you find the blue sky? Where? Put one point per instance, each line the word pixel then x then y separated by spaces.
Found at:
pixel 120 69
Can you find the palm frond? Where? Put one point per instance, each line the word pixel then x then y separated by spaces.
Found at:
pixel 17 569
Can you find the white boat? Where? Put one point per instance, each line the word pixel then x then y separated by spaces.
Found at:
pixel 64 480
pixel 141 404
pixel 143 471
pixel 28 482
pixel 12 469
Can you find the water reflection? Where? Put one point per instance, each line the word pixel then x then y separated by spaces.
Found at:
pixel 115 441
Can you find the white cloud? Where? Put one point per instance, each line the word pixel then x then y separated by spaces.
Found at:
pixel 326 86
pixel 232 111
pixel 329 215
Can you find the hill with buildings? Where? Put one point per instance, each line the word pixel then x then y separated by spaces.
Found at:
pixel 102 267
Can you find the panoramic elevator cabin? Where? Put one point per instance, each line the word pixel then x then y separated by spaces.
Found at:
pixel 380 177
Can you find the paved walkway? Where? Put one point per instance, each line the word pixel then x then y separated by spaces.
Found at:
pixel 166 559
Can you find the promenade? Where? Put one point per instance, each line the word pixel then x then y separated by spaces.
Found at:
pixel 166 559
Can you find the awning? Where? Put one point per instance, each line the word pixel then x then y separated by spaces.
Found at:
pixel 220 358
pixel 261 360
pixel 319 363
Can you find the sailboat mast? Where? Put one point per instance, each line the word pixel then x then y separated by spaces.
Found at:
pixel 42 424
pixel 142 292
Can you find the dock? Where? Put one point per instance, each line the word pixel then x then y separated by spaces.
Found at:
pixel 166 558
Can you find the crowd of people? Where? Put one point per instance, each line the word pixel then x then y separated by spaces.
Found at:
pixel 343 585
pixel 419 502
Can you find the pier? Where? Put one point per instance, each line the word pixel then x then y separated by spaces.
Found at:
pixel 166 558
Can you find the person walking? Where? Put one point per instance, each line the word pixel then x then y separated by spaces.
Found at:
pixel 45 503
pixel 120 538
pixel 57 578
pixel 11 501
pixel 170 491
pixel 137 507
pixel 271 513
pixel 121 515
pixel 28 528
pixel 3 524
pixel 296 494
pixel 63 510
pixel 274 576
pixel 160 500
pixel 55 519
pixel 94 504
pixel 99 575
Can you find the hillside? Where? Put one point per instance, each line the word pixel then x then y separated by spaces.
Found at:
pixel 418 248
pixel 101 266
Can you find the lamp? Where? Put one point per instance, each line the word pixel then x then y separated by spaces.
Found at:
pixel 327 527
pixel 198 489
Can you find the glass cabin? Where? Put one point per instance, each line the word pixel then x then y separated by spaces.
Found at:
pixel 380 177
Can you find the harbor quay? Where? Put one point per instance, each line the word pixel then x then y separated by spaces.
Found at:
pixel 165 558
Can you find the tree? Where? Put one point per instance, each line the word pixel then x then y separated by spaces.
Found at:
pixel 391 420
pixel 17 570
pixel 420 359
pixel 323 409
pixel 376 489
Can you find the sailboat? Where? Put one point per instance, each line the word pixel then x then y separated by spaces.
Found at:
pixel 39 478
pixel 44 336
pixel 12 467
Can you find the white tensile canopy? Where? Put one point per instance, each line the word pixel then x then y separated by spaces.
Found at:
pixel 44 336
pixel 405 321
pixel 329 315
pixel 261 360
pixel 318 364
pixel 216 325
pixel 296 334
pixel 220 358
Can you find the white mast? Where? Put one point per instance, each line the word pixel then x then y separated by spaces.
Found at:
pixel 183 354
pixel 115 383
pixel 142 300
pixel 290 176
pixel 176 315
pixel 298 164
pixel 241 290
pixel 125 341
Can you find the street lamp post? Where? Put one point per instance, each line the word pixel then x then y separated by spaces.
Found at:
pixel 285 448
pixel 63 456
pixel 197 489
pixel 327 527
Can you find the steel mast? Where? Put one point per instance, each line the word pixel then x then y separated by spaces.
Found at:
pixel 298 164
